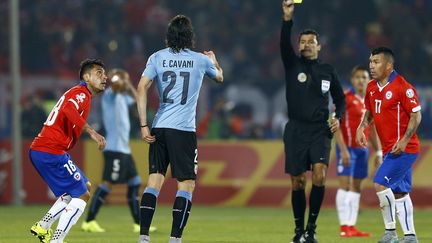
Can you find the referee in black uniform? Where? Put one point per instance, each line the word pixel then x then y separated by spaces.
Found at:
pixel 308 133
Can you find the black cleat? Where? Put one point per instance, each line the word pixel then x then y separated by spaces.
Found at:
pixel 298 237
pixel 310 234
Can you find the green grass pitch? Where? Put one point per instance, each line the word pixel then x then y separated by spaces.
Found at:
pixel 206 224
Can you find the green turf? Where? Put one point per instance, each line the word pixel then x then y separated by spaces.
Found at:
pixel 206 224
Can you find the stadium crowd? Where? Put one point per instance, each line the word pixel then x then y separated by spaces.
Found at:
pixel 244 34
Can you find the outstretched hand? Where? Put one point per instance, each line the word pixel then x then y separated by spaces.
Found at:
pixel 288 9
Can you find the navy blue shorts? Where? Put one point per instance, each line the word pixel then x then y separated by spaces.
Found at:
pixel 358 168
pixel 60 173
pixel 396 171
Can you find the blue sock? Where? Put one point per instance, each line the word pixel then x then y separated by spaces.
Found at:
pixel 132 197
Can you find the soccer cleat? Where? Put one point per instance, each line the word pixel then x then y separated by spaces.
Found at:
pixel 409 239
pixel 175 240
pixel 345 231
pixel 92 227
pixel 298 237
pixel 390 236
pixel 144 239
pixel 41 233
pixel 310 234
pixel 354 232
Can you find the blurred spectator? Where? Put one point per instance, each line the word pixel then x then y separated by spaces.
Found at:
pixel 56 35
pixel 32 117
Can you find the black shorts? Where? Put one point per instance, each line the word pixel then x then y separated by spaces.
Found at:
pixel 176 148
pixel 305 145
pixel 119 167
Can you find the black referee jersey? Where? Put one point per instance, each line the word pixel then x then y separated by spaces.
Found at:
pixel 308 84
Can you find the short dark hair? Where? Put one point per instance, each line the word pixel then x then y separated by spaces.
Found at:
pixel 87 64
pixel 309 32
pixel 358 68
pixel 180 33
pixel 387 52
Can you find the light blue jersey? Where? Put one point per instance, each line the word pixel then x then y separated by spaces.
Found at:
pixel 115 115
pixel 179 77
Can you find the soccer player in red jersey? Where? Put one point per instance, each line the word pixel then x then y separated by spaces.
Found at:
pixel 48 152
pixel 352 159
pixel 392 104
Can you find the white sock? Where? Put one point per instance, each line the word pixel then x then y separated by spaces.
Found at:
pixel 353 202
pixel 55 211
pixel 341 206
pixel 68 218
pixel 388 208
pixel 405 213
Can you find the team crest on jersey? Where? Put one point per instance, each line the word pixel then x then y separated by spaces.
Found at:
pixel 410 93
pixel 77 176
pixel 389 94
pixel 302 77
pixel 80 97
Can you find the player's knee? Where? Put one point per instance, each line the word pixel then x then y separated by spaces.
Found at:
pixel 318 178
pixel 85 196
pixel 186 185
pixel 156 181
pixel 399 195
pixel 298 182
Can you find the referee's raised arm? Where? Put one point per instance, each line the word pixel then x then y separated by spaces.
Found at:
pixel 287 51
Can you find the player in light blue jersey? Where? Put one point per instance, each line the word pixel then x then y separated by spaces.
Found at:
pixel 119 165
pixel 178 72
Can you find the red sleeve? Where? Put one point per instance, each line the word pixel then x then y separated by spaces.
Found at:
pixel 409 98
pixel 73 115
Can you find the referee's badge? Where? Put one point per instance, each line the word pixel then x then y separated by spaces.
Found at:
pixel 302 77
pixel 389 94
pixel 325 86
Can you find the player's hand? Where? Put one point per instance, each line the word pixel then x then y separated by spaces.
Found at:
pixel 345 157
pixel 100 140
pixel 334 125
pixel 361 138
pixel 146 135
pixel 378 159
pixel 211 55
pixel 399 147
pixel 288 9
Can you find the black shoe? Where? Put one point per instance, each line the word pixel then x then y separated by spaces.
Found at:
pixel 310 235
pixel 298 236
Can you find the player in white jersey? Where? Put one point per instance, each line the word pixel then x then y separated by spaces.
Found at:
pixel 178 72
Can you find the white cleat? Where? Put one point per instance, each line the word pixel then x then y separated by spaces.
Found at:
pixel 144 239
pixel 175 240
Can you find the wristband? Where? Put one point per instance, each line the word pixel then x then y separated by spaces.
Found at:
pixel 147 126
pixel 379 153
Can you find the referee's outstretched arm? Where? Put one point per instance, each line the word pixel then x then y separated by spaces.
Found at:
pixel 287 51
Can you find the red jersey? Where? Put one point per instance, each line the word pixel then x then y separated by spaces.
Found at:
pixel 391 106
pixel 65 122
pixel 351 120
